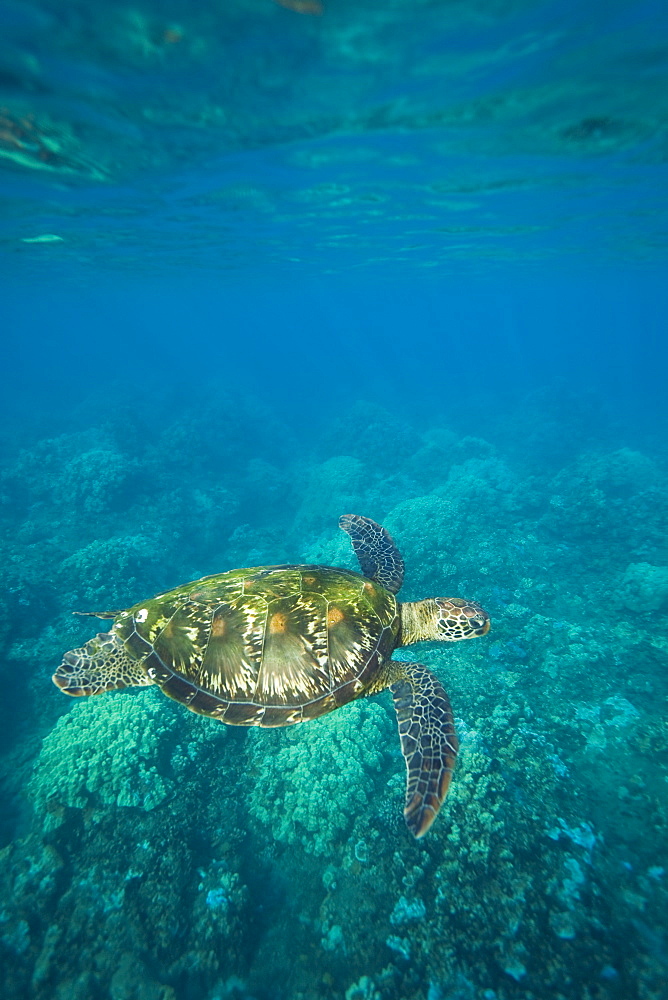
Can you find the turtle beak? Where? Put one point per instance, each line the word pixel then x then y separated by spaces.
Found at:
pixel 65 678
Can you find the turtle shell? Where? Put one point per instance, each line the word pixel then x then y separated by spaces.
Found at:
pixel 268 646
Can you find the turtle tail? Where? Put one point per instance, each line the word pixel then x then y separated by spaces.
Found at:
pixel 101 665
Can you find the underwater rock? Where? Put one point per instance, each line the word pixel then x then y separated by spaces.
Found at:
pixel 95 482
pixel 113 569
pixel 364 430
pixel 405 912
pixel 620 473
pixel 106 751
pixel 363 989
pixel 336 486
pixel 644 587
pixel 425 527
pixel 299 801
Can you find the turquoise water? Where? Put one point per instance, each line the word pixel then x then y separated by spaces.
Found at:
pixel 263 265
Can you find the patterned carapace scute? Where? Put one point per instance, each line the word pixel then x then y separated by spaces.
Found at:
pixel 265 647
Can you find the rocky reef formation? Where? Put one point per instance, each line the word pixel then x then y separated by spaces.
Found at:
pixel 152 854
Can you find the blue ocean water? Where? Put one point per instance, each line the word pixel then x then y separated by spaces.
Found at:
pixel 263 264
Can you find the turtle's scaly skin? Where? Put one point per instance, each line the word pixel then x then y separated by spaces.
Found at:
pixel 378 556
pixel 268 646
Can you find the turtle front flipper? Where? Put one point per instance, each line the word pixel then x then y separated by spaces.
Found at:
pixel 101 665
pixel 428 741
pixel 378 556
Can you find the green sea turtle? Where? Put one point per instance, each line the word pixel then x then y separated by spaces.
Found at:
pixel 276 645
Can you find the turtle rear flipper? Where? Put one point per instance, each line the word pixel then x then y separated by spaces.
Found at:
pixel 379 558
pixel 428 741
pixel 101 665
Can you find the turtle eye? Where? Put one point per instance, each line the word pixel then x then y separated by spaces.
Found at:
pixel 481 624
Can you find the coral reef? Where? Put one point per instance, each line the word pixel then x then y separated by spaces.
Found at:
pixel 644 587
pixel 316 806
pixel 106 751
pixel 159 855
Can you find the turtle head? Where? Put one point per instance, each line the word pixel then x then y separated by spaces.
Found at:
pixel 447 619
pixel 101 665
pixel 458 619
